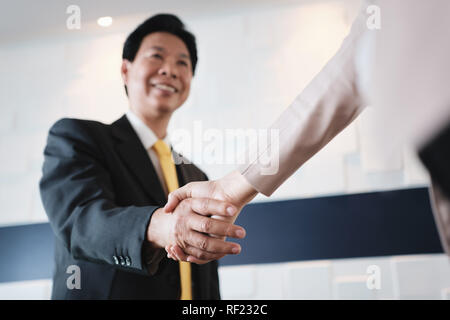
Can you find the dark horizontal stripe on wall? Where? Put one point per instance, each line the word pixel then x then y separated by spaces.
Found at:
pixel 26 252
pixel 346 226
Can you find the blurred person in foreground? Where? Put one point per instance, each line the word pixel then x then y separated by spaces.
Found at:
pixel 402 69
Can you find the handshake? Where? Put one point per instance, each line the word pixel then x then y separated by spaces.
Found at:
pixel 198 217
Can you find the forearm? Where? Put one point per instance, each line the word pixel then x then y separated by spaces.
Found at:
pixel 99 231
pixel 325 107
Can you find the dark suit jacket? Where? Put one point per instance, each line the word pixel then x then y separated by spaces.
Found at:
pixel 99 189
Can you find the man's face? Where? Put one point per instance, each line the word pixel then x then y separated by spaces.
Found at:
pixel 159 79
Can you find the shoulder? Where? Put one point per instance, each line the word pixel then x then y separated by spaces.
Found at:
pixel 85 134
pixel 69 125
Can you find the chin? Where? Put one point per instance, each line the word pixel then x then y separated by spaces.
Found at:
pixel 161 107
pixel 164 108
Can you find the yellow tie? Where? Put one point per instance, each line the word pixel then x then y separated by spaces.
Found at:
pixel 170 176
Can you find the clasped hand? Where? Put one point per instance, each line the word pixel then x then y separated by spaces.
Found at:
pixel 191 229
pixel 233 190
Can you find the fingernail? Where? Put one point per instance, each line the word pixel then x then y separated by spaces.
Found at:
pixel 240 233
pixel 231 211
pixel 235 250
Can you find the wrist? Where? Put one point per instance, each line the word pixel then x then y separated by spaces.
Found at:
pixel 237 189
pixel 157 229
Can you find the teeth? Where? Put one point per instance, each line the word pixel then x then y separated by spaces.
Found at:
pixel 165 87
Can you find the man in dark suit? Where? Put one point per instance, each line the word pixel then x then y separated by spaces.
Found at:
pixel 103 186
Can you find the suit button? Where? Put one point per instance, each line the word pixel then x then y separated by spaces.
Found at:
pixel 122 261
pixel 116 261
pixel 127 261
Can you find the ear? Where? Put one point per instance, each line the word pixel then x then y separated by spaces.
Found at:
pixel 124 70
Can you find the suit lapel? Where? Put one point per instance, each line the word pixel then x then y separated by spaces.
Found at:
pixel 182 179
pixel 136 158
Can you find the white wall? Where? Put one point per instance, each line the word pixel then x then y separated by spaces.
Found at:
pixel 400 277
pixel 252 64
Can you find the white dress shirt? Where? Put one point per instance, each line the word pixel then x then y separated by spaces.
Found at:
pixel 148 139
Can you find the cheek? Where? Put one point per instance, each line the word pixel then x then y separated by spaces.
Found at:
pixel 186 88
pixel 142 74
pixel 137 81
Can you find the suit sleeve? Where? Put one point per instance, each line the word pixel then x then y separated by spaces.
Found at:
pixel 78 197
pixel 325 107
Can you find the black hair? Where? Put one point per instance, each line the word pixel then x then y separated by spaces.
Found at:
pixel 159 23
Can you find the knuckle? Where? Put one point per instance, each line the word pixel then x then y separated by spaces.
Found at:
pixel 205 205
pixel 203 244
pixel 206 225
pixel 223 208
pixel 228 229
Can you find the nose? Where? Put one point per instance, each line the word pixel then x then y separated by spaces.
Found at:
pixel 168 69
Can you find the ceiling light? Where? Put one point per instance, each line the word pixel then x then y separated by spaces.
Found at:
pixel 104 21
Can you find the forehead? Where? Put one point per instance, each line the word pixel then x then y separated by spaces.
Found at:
pixel 166 41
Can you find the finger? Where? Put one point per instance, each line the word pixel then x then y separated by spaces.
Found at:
pixel 196 256
pixel 178 253
pixel 199 189
pixel 207 206
pixel 195 260
pixel 177 196
pixel 214 245
pixel 171 204
pixel 201 256
pixel 215 227
pixel 169 256
pixel 169 253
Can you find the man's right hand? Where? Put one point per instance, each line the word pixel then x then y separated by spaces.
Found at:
pixel 233 189
pixel 189 225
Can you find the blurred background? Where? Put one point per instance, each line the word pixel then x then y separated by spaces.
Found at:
pixel 255 57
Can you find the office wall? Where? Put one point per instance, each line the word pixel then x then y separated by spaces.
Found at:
pixel 252 64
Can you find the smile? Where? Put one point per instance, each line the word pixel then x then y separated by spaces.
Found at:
pixel 165 87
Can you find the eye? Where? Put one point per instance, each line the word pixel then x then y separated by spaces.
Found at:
pixel 183 63
pixel 157 56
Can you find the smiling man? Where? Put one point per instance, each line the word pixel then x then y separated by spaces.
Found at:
pixel 103 186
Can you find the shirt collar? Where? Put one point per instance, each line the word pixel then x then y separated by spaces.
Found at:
pixel 145 134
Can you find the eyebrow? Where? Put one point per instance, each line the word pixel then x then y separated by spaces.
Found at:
pixel 183 55
pixel 158 48
pixel 161 49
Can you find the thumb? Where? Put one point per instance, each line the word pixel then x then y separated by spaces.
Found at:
pixel 175 197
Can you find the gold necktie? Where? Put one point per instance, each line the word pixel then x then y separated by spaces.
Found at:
pixel 170 176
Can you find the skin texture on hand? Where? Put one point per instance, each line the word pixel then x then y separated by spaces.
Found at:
pixel 189 225
pixel 233 189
